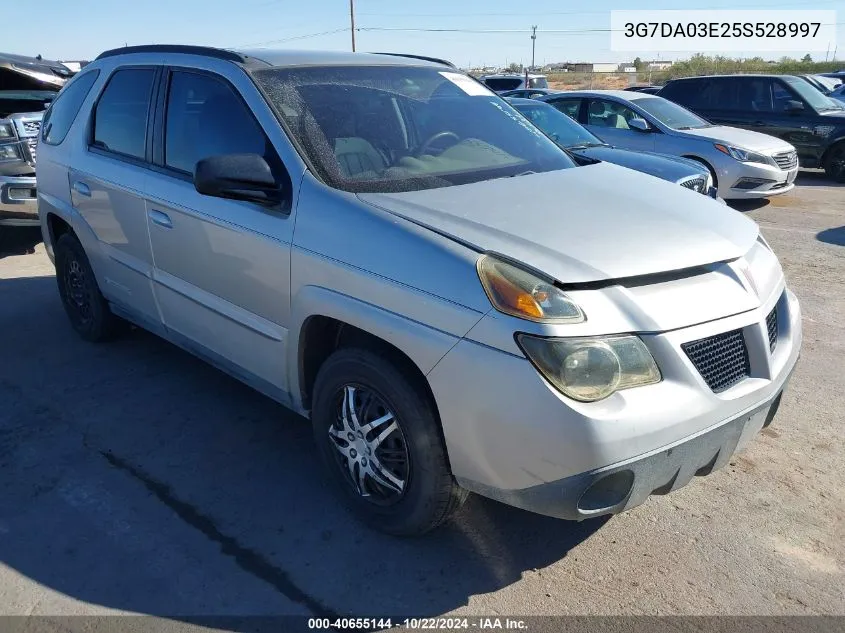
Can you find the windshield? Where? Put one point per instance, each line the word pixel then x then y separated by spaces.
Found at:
pixel 671 114
pixel 401 128
pixel 558 126
pixel 811 95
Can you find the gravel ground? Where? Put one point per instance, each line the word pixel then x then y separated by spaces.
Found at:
pixel 137 479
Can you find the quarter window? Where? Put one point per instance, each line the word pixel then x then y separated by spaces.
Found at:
pixel 63 111
pixel 120 118
pixel 206 118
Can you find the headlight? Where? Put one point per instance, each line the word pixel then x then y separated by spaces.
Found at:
pixel 6 131
pixel 590 369
pixel 524 294
pixel 742 155
pixel 9 152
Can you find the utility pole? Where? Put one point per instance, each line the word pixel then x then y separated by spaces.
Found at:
pixel 533 44
pixel 352 22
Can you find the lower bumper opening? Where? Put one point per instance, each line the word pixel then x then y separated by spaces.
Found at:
pixel 607 492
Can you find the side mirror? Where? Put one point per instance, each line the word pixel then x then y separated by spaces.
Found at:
pixel 641 125
pixel 794 106
pixel 237 177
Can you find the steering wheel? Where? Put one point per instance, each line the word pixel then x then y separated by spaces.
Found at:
pixel 436 137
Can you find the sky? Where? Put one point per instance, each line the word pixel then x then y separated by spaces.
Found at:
pixel 83 28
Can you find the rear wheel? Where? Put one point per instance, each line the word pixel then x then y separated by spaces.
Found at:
pixel 86 308
pixel 379 438
pixel 834 163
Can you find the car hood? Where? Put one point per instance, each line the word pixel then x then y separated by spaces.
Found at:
pixel 737 137
pixel 583 224
pixel 29 73
pixel 669 168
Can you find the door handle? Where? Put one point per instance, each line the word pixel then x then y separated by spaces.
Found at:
pixel 160 218
pixel 82 189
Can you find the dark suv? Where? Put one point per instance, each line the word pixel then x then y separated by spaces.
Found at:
pixel 781 105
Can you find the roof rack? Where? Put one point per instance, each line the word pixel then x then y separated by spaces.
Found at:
pixel 185 49
pixel 436 60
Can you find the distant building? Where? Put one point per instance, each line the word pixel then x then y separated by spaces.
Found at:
pixel 658 65
pixel 625 68
pixel 596 67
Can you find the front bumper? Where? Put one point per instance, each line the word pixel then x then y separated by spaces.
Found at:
pixel 623 486
pixel 512 437
pixel 18 201
pixel 778 181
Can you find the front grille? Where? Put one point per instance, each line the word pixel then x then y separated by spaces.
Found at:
pixel 722 360
pixel 32 127
pixel 772 327
pixel 786 160
pixel 696 184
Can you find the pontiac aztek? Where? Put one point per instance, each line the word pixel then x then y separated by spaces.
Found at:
pixel 390 249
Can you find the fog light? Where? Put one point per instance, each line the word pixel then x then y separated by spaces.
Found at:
pixel 607 492
pixel 751 183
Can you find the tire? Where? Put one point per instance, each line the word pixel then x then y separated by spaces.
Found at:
pixel 429 494
pixel 84 304
pixel 834 163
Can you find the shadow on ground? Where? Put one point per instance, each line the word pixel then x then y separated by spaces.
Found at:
pixel 832 236
pixel 815 178
pixel 130 467
pixel 746 206
pixel 18 240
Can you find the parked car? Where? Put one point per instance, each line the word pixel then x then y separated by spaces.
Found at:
pixel 506 82
pixel 828 82
pixel 27 86
pixel 743 164
pixel 815 83
pixel 838 93
pixel 528 93
pixel 390 249
pixel 646 89
pixel 780 105
pixel 584 144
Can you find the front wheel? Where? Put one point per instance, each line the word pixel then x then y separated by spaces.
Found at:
pixel 379 437
pixel 834 163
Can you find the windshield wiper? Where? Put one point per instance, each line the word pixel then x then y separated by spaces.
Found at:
pixel 577 147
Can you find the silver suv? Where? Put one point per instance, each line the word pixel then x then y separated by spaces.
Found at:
pixel 391 250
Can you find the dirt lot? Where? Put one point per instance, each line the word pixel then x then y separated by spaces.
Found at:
pixel 135 478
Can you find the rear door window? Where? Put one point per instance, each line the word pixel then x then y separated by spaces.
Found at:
pixel 610 114
pixel 120 117
pixel 686 92
pixel 569 107
pixel 721 94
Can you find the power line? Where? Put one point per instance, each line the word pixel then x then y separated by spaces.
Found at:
pixel 298 37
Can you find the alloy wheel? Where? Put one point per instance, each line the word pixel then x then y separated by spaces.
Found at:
pixel 370 446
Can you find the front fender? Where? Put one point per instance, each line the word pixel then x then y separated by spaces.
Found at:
pixel 424 345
